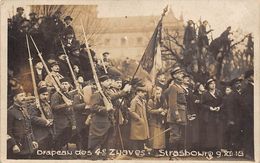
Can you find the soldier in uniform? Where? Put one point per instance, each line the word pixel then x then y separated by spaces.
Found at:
pixel 177 108
pixel 43 124
pixel 21 141
pixel 64 117
pixel 102 118
pixel 55 69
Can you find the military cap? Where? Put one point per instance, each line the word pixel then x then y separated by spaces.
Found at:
pixel 42 90
pixel 18 91
pixel 236 80
pixel 249 73
pixel 68 18
pixel 103 78
pixel 65 79
pixel 53 63
pixel 19 9
pixel 175 70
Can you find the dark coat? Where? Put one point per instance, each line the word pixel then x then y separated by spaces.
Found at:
pixel 189 35
pixel 19 129
pixel 64 116
pixel 212 120
pixel 40 130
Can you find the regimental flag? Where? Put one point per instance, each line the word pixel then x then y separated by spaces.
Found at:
pixel 151 60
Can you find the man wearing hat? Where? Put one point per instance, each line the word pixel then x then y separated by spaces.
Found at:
pixel 68 28
pixel 233 107
pixel 102 118
pixel 177 112
pixel 43 124
pixel 55 69
pixel 247 120
pixel 21 142
pixel 59 26
pixel 64 116
pixel 212 108
pixel 18 18
pixel 33 19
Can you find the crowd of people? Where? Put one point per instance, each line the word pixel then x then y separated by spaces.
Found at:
pixel 191 110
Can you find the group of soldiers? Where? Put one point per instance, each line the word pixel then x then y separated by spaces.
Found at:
pixel 88 103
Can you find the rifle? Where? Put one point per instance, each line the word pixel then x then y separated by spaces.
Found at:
pixel 57 88
pixel 37 99
pixel 71 71
pixel 106 101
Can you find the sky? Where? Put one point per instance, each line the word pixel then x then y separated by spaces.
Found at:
pixel 239 14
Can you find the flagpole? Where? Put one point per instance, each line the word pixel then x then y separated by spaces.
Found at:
pixel 163 14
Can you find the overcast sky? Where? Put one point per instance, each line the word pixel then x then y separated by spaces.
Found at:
pixel 220 13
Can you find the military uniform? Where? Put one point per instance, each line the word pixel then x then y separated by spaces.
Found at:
pixel 102 121
pixel 43 134
pixel 176 100
pixel 20 131
pixel 64 120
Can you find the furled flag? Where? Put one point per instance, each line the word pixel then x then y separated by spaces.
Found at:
pixel 151 59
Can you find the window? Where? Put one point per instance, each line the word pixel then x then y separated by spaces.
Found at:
pixel 139 40
pixel 107 41
pixel 123 40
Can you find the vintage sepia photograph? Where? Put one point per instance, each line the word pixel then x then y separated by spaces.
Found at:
pixel 129 80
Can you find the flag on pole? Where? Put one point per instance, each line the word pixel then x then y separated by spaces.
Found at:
pixel 151 60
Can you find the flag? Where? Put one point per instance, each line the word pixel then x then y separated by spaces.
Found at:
pixel 151 60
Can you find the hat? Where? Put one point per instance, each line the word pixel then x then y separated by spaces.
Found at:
pixel 105 53
pixel 19 8
pixel 53 63
pixel 58 12
pixel 249 73
pixel 208 82
pixel 65 79
pixel 42 90
pixel 18 91
pixel 186 75
pixel 68 18
pixel 32 14
pixel 142 89
pixel 103 78
pixel 234 81
pixel 175 70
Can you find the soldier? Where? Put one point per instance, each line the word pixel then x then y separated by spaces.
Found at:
pixel 43 124
pixel 21 140
pixel 224 37
pixel 40 74
pixel 102 118
pixel 64 117
pixel 139 131
pixel 55 69
pixel 212 107
pixel 59 26
pixel 176 115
